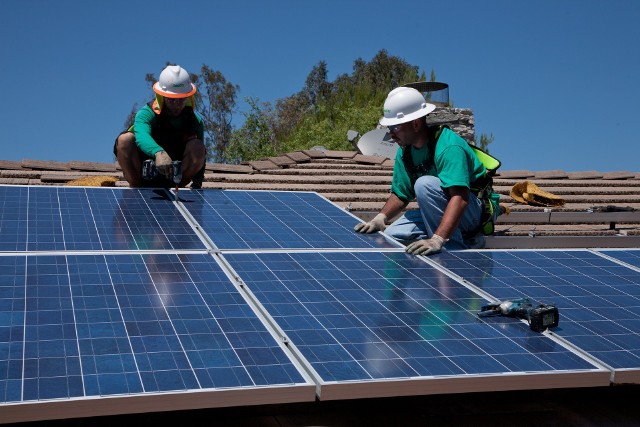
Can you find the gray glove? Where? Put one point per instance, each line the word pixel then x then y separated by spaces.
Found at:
pixel 376 224
pixel 163 164
pixel 426 246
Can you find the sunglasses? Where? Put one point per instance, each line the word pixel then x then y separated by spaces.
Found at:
pixel 175 100
pixel 394 128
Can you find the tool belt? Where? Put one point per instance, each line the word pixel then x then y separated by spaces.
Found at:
pixel 483 189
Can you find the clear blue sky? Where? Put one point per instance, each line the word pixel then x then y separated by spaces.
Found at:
pixel 557 82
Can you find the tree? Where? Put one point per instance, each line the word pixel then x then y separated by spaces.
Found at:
pixel 256 137
pixel 215 102
pixel 484 141
pixel 317 89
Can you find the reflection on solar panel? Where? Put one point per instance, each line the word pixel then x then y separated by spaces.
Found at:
pixel 361 317
pixel 598 299
pixel 75 219
pixel 116 301
pixel 275 220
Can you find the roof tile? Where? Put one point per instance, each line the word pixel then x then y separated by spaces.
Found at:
pixel 45 164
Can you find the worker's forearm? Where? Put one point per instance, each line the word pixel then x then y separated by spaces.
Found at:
pixel 453 213
pixel 393 206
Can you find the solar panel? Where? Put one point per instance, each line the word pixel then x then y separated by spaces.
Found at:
pixel 276 220
pixel 380 318
pixel 628 256
pixel 127 300
pixel 598 299
pixel 92 219
pixel 78 327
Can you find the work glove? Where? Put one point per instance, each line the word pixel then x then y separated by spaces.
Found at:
pixel 426 246
pixel 376 224
pixel 163 164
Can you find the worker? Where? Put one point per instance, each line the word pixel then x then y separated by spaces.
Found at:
pixel 437 168
pixel 165 130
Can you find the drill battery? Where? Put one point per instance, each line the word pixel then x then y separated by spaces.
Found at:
pixel 543 316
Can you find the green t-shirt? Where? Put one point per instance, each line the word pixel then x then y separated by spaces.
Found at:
pixel 454 163
pixel 143 124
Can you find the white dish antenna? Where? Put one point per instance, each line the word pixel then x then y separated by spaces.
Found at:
pixel 378 142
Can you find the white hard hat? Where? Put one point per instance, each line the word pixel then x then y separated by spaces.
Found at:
pixel 174 82
pixel 404 104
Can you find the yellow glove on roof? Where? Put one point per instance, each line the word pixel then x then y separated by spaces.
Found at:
pixel 530 194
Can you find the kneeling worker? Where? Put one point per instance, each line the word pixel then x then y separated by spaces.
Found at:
pixel 164 130
pixel 437 168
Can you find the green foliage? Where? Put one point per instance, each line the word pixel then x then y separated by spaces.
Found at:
pixel 329 131
pixel 322 112
pixel 256 138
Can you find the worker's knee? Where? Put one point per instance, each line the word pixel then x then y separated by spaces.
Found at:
pixel 125 144
pixel 195 150
pixel 195 154
pixel 427 186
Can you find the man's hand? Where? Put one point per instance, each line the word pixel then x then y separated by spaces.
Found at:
pixel 426 246
pixel 376 224
pixel 163 164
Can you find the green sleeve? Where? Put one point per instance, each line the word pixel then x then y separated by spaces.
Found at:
pixel 456 164
pixel 142 130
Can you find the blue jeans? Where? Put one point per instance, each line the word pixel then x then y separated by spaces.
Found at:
pixel 421 224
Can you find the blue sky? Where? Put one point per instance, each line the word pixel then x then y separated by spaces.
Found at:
pixel 555 81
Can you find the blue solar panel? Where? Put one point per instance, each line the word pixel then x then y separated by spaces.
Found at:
pixel 170 317
pixel 629 256
pixel 81 219
pixel 77 326
pixel 379 316
pixel 276 220
pixel 598 299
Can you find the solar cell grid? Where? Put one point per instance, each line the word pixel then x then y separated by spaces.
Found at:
pixel 598 300
pixel 276 220
pixel 12 224
pixel 96 325
pixel 82 219
pixel 377 316
pixel 629 256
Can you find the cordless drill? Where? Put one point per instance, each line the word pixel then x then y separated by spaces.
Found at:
pixel 150 171
pixel 539 317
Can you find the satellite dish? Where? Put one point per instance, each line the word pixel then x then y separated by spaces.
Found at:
pixel 378 142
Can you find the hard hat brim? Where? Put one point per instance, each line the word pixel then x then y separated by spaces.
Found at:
pixel 390 121
pixel 166 94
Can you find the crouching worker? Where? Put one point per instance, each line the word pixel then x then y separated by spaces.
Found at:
pixel 440 170
pixel 165 130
